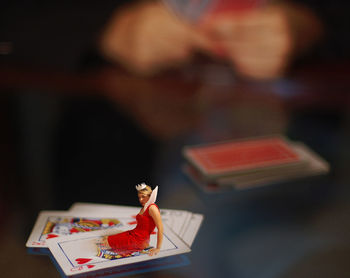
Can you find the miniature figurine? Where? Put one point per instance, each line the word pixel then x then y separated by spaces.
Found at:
pixel 148 218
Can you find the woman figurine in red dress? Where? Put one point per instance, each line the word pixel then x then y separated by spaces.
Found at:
pixel 148 218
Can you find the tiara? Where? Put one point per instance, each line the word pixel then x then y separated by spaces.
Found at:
pixel 140 186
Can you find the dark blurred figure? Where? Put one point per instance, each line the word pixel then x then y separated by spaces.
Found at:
pixel 259 42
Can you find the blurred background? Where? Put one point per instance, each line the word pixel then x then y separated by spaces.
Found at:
pixel 99 96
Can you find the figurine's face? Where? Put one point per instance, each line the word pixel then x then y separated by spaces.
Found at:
pixel 143 198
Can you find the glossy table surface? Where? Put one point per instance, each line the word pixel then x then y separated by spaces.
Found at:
pixel 292 229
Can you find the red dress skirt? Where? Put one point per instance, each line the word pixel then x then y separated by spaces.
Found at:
pixel 134 240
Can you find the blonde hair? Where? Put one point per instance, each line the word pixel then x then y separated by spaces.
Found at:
pixel 147 190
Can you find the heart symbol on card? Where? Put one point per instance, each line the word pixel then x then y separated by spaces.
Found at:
pixel 90 265
pixel 51 236
pixel 82 260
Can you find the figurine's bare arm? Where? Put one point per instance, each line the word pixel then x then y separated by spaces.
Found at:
pixel 155 214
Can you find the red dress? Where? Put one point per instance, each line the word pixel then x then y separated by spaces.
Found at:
pixel 134 240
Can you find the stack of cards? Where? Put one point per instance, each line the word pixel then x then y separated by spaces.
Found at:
pixel 243 164
pixel 72 238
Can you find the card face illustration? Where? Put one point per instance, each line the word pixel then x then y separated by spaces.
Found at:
pixel 51 224
pixel 239 156
pixel 78 253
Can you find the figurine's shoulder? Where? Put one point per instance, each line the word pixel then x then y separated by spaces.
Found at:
pixel 153 207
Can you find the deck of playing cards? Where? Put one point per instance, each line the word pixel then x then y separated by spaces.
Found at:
pixel 243 164
pixel 73 240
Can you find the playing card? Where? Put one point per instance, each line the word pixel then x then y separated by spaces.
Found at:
pixel 196 10
pixel 102 209
pixel 242 156
pixel 191 229
pixel 132 269
pixel 235 6
pixel 177 220
pixel 313 165
pixel 51 224
pixel 202 182
pixel 191 10
pixel 79 253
